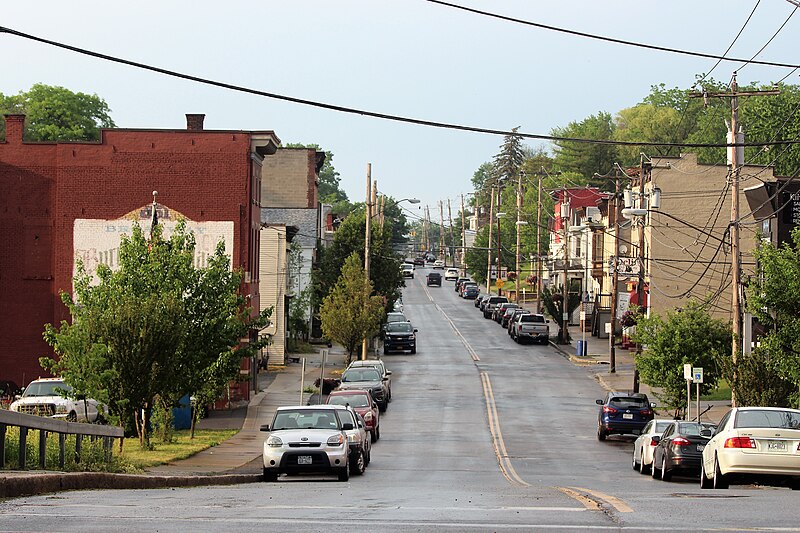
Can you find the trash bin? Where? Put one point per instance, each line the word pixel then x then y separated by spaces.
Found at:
pixel 182 416
pixel 580 349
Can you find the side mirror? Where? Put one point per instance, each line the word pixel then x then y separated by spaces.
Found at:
pixel 347 426
pixel 599 402
pixel 374 405
pixel 17 396
pixel 708 432
pixel 415 330
pixel 546 321
pixel 655 439
pixel 386 378
pixel 264 427
pixel 388 372
pixel 653 404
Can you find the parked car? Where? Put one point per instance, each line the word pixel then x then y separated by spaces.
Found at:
pixel 516 313
pixel 679 450
pixel 753 443
pixel 459 281
pixel 8 392
pixel 398 305
pixel 306 439
pixel 434 278
pixel 623 413
pixel 408 270
pixel 50 397
pixel 464 286
pixel 530 327
pixel 363 404
pixel 358 440
pixel 490 304
pixel 478 300
pixel 368 379
pixel 645 444
pixel 451 274
pixel 438 264
pixel 400 336
pixel 500 309
pixel 470 292
pixel 505 317
pixel 386 374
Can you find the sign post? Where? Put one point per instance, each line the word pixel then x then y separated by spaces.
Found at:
pixel 697 377
pixel 687 375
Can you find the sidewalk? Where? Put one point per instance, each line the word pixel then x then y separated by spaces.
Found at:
pixel 598 355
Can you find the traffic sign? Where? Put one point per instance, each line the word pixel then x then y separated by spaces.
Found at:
pixel 687 371
pixel 697 374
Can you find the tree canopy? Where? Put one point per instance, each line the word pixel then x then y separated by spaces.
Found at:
pixel 155 329
pixel 58 114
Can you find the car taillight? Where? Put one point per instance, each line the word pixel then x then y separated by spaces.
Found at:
pixel 607 409
pixel 646 412
pixel 740 442
pixel 680 441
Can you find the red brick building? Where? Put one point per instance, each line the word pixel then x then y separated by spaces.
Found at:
pixel 60 201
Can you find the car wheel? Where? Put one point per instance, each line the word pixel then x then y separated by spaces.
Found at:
pixel 413 350
pixel 666 475
pixel 373 435
pixel 100 418
pixel 634 464
pixel 270 475
pixel 705 482
pixel 601 434
pixel 72 417
pixel 720 481
pixel 382 407
pixel 654 472
pixel 344 473
pixel 378 433
pixel 643 468
pixel 358 464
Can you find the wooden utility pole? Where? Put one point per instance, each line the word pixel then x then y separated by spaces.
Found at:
pixel 499 249
pixel 463 241
pixel 735 160
pixel 367 239
pixel 442 255
pixel 519 223
pixel 613 218
pixel 452 242
pixel 565 289
pixel 539 245
pixel 489 247
pixel 645 170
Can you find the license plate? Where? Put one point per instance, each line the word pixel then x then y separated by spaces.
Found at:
pixel 627 416
pixel 776 446
pixel 304 459
pixel 700 447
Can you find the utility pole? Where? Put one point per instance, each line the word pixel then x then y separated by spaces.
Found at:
pixel 565 288
pixel 442 255
pixel 499 250
pixel 735 160
pixel 539 245
pixel 463 241
pixel 452 242
pixel 612 337
pixel 489 247
pixel 519 224
pixel 645 170
pixel 367 238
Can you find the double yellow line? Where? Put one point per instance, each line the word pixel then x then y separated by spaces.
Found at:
pixel 497 436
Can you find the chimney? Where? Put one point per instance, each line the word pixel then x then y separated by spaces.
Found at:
pixel 194 121
pixel 15 127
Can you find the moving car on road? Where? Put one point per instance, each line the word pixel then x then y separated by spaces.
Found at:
pixel 306 439
pixel 451 274
pixel 400 336
pixel 753 443
pixel 679 449
pixel 438 264
pixel 408 270
pixel 434 278
pixel 623 413
pixel 645 444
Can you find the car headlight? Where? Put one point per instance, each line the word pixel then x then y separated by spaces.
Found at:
pixel 61 409
pixel 274 441
pixel 352 437
pixel 336 440
pixel 368 416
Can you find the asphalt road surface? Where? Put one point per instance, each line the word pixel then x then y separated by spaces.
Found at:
pixel 482 435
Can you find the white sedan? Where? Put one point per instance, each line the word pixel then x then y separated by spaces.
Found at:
pixel 645 444
pixel 753 443
pixel 451 274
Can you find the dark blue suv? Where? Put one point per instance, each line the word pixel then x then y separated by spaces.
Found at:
pixel 623 413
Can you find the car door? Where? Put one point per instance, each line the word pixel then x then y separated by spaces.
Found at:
pixel 663 444
pixel 710 451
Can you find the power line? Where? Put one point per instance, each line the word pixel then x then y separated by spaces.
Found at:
pixel 372 114
pixel 610 39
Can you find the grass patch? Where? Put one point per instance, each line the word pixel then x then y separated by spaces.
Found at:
pixel 723 392
pixel 180 448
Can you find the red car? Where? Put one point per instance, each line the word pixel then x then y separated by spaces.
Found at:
pixel 362 403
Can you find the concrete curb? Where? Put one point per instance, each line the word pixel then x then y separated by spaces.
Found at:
pixel 27 485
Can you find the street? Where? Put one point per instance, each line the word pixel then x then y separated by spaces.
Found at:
pixel 482 434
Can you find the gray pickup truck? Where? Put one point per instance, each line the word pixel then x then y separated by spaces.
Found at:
pixel 531 327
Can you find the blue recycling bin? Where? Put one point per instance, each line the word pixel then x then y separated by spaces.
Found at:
pixel 580 349
pixel 182 416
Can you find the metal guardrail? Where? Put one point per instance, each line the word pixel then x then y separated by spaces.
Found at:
pixel 62 428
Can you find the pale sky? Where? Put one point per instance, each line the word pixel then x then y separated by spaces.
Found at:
pixel 410 58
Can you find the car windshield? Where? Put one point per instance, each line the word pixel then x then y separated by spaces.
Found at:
pixel 360 374
pixel 399 327
pixel 396 317
pixel 353 400
pixel 764 418
pixel 690 429
pixel 346 417
pixel 661 426
pixel 536 319
pixel 624 402
pixel 45 388
pixel 306 419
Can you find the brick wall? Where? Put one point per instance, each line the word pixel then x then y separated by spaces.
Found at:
pixel 289 179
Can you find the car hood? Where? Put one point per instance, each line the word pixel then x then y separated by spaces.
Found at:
pixel 399 333
pixel 304 435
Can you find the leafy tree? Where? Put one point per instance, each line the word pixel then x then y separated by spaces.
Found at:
pixel 688 335
pixel 772 298
pixel 645 122
pixel 156 329
pixel 349 313
pixel 584 158
pixel 58 114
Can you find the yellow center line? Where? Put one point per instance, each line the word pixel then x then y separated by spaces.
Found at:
pixel 587 502
pixel 497 435
pixel 618 504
